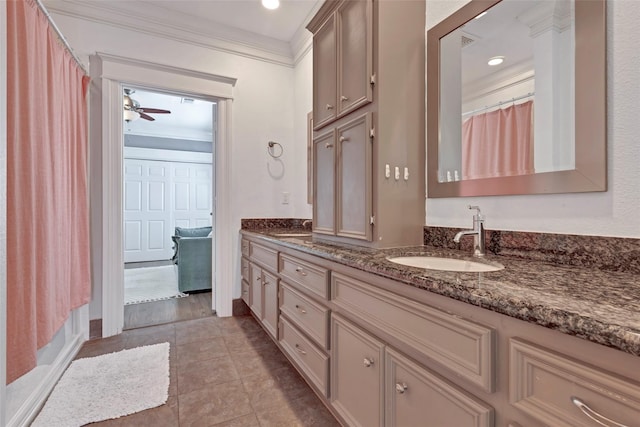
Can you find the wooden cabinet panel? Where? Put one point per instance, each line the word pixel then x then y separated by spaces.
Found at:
pixel 464 347
pixel 324 183
pixel 244 247
pixel 266 256
pixel 270 303
pixel 545 385
pixel 357 374
pixel 355 55
pixel 310 317
pixel 256 289
pixel 313 362
pixel 324 74
pixel 246 292
pixel 244 268
pixel 353 178
pixel 415 396
pixel 305 276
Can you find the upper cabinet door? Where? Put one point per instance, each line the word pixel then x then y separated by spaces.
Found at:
pixel 324 74
pixel 355 55
pixel 324 183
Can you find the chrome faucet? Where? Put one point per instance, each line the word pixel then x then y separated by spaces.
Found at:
pixel 477 233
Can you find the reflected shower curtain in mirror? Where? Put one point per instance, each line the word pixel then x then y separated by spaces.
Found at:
pixel 47 202
pixel 498 143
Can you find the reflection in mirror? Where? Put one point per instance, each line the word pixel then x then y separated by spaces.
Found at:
pixel 505 116
pixel 515 63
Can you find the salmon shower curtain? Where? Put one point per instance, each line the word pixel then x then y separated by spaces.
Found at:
pixel 498 143
pixel 47 200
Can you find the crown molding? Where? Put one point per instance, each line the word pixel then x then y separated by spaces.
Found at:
pixel 142 18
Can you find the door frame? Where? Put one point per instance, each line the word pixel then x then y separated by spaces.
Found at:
pixel 109 74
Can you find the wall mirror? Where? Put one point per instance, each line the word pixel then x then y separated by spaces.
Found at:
pixel 516 99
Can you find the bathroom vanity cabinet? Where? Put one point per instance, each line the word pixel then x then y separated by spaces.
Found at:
pixel 380 352
pixel 368 121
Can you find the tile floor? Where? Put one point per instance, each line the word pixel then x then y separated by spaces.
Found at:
pixel 224 372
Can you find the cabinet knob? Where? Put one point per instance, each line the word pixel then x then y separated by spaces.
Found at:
pixel 401 388
pixel 344 98
pixel 595 416
pixel 343 139
pixel 329 107
pixel 258 278
pixel 368 362
pixel 300 350
pixel 328 145
pixel 300 309
pixel 301 271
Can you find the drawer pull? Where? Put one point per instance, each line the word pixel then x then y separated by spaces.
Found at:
pixel 401 388
pixel 344 98
pixel 258 278
pixel 328 145
pixel 329 107
pixel 265 283
pixel 300 309
pixel 301 271
pixel 344 139
pixel 300 350
pixel 600 419
pixel 368 362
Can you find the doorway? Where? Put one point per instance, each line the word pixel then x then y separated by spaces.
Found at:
pixel 168 182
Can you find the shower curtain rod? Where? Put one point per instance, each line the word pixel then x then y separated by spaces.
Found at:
pixel 63 40
pixel 517 98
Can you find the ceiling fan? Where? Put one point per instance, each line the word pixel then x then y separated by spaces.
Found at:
pixel 133 110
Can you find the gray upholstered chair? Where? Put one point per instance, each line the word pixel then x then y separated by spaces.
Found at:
pixel 193 256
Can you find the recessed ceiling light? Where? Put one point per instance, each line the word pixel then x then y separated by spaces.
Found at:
pixel 496 60
pixel 481 15
pixel 271 4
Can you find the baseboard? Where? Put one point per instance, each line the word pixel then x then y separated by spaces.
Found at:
pixel 32 405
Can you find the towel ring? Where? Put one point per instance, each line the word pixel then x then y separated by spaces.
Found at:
pixel 272 150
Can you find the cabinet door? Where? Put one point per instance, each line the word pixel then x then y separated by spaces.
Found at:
pixel 270 305
pixel 355 54
pixel 324 74
pixel 256 289
pixel 353 179
pixel 356 374
pixel 414 396
pixel 323 183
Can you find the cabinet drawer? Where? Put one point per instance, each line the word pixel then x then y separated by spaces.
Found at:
pixel 246 292
pixel 266 256
pixel 307 276
pixel 244 247
pixel 313 362
pixel 244 269
pixel 545 384
pixel 413 394
pixel 464 347
pixel 310 317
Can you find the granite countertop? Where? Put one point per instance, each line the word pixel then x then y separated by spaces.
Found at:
pixel 597 305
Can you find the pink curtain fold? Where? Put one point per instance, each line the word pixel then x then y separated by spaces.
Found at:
pixel 48 270
pixel 498 143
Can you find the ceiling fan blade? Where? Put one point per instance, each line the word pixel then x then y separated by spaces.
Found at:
pixel 145 116
pixel 154 110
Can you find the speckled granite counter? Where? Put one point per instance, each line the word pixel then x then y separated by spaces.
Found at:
pixel 597 305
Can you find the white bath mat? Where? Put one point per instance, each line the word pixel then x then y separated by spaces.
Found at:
pixel 108 386
pixel 151 284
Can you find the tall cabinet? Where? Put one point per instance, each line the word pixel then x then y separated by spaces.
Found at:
pixel 368 119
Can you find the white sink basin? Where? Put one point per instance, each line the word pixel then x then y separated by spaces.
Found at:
pixel 292 234
pixel 446 264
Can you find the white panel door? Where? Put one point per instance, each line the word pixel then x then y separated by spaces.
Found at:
pixel 191 194
pixel 147 214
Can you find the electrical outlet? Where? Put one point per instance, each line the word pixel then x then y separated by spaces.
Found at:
pixel 285 197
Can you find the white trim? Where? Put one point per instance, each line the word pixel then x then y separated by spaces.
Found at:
pixel 3 213
pixel 167 155
pixel 112 72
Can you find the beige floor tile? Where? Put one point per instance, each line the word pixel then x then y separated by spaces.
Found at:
pixel 213 405
pixel 206 374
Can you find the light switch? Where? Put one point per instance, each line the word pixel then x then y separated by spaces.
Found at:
pixel 387 171
pixel 285 197
pixel 406 173
pixel 397 174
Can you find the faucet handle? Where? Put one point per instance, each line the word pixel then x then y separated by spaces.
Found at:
pixel 478 215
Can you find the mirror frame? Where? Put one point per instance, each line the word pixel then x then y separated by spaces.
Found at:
pixel 590 173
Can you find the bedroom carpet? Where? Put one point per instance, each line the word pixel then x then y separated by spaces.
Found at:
pixel 151 284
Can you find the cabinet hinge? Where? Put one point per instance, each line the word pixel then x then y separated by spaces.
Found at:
pixel 372 220
pixel 372 133
pixel 373 80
